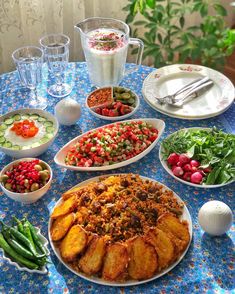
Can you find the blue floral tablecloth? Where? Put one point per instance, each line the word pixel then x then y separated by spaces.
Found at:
pixel 209 264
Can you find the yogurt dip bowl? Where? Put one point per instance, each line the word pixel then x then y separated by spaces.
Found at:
pixel 27 132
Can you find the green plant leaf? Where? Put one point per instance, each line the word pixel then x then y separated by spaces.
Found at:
pixel 151 3
pixel 204 9
pixel 220 9
pixel 159 36
pixel 129 18
pixel 139 22
pixel 182 21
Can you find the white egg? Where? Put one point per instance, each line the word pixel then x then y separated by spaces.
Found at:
pixel 215 217
pixel 67 111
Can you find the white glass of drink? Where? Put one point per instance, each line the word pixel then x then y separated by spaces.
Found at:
pixel 28 61
pixel 105 43
pixel 56 55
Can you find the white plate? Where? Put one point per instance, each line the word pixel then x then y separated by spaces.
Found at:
pixel 165 166
pixel 61 155
pixel 116 118
pixel 22 268
pixel 167 80
pixel 185 216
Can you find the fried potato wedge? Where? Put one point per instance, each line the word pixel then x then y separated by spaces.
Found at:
pixel 65 207
pixel 143 259
pixel 115 262
pixel 73 243
pixel 163 246
pixel 72 192
pixel 179 230
pixel 91 262
pixel 61 225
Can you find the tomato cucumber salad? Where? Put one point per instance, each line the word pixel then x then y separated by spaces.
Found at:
pixel 111 144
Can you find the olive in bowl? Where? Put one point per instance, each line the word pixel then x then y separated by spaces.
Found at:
pixel 26 180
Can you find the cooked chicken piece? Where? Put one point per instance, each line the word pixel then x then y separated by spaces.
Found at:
pixel 115 262
pixel 91 262
pixel 65 207
pixel 176 229
pixel 163 246
pixel 73 243
pixel 143 259
pixel 61 226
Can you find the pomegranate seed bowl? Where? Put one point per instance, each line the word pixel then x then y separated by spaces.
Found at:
pixel 26 180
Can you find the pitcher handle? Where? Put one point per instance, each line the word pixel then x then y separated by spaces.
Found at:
pixel 140 44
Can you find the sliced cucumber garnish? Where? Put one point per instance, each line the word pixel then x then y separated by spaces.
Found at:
pixel 7 144
pixel 49 135
pixel 16 147
pixel 8 121
pixel 34 116
pixel 48 123
pixel 2 139
pixel 16 117
pixel 44 140
pixel 36 144
pixel 41 119
pixel 3 127
pixel 25 116
pixel 50 129
pixel 1 133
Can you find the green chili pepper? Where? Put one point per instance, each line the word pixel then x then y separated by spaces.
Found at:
pixel 16 246
pixel 21 238
pixel 17 257
pixel 28 234
pixel 19 225
pixel 36 239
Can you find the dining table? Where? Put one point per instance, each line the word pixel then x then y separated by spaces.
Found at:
pixel 208 266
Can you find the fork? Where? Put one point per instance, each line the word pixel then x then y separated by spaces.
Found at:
pixel 189 89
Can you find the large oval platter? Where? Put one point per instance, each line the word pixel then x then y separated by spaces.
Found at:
pixel 61 155
pixel 185 216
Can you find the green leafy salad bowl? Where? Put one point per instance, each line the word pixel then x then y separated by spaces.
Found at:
pixel 199 157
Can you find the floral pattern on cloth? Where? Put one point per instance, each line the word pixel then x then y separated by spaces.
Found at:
pixel 208 266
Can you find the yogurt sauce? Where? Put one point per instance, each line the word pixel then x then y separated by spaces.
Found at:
pixel 19 140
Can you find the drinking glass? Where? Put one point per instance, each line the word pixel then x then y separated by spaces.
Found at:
pixel 28 61
pixel 56 54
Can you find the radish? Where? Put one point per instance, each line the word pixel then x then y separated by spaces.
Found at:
pixel 196 177
pixel 194 163
pixel 178 171
pixel 187 176
pixel 173 158
pixel 183 158
pixel 187 167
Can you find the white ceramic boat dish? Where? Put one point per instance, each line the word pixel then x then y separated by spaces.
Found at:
pixel 115 118
pixel 61 155
pixel 32 151
pixel 185 216
pixel 26 198
pixel 165 166
pixel 22 268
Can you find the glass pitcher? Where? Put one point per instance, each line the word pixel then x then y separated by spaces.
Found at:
pixel 105 42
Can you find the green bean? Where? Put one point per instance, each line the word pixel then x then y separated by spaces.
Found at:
pixel 16 246
pixel 17 257
pixel 36 239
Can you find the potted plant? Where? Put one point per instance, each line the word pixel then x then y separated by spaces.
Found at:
pixel 168 37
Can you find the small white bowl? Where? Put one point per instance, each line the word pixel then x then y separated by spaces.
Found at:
pixel 115 118
pixel 33 151
pixel 30 197
pixel 22 268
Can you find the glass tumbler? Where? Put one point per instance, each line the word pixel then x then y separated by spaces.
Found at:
pixel 56 54
pixel 28 61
